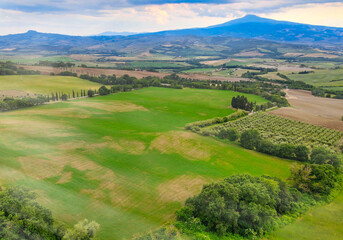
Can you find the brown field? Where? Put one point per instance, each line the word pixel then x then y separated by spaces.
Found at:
pixel 324 112
pixel 14 94
pixel 249 54
pixel 119 73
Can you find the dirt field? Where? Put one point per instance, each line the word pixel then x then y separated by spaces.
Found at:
pixel 315 110
pixel 119 73
pixel 14 94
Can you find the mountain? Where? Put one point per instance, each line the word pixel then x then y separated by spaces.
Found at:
pixel 252 26
pixel 250 33
pixel 109 33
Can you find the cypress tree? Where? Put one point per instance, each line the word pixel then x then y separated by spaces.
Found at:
pixel 73 94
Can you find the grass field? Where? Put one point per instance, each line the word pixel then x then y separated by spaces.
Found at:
pixel 329 77
pixel 123 160
pixel 324 222
pixel 45 84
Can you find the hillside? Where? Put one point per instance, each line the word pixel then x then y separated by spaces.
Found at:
pixel 223 39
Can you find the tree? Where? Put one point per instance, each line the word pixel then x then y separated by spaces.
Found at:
pixel 103 91
pixel 265 146
pixel 322 155
pixel 250 139
pixel 301 153
pixel 231 134
pixel 315 179
pixel 83 230
pixel 286 150
pixel 240 204
pixel 21 217
pixel 90 93
pixel 64 97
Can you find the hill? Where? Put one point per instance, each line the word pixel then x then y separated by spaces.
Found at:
pixel 213 40
pixel 252 26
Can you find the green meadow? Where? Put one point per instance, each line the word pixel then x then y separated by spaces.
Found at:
pixel 42 84
pixel 324 222
pixel 321 78
pixel 123 160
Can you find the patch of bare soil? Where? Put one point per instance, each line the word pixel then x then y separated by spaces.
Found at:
pixel 119 73
pixel 249 54
pixel 14 94
pixel 319 111
pixel 183 143
pixel 180 188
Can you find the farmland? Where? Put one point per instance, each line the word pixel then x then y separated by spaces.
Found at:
pixel 40 84
pixel 282 130
pixel 315 110
pixel 108 158
pixel 327 78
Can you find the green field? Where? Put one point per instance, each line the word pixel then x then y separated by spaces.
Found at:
pixel 45 84
pixel 123 160
pixel 330 78
pixel 324 222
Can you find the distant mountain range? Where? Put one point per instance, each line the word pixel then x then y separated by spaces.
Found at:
pixel 254 30
pixel 109 33
pixel 252 26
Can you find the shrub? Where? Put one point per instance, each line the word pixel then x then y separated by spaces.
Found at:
pixel 104 91
pixel 315 179
pixel 250 139
pixel 322 155
pixel 240 204
pixel 90 93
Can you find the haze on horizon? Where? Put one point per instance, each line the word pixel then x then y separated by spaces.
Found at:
pixel 93 17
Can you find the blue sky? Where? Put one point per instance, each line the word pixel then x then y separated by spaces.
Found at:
pixel 89 17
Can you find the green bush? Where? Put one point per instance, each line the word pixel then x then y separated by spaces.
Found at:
pixel 241 204
pixel 250 139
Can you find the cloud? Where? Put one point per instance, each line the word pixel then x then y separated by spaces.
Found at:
pixel 327 14
pixel 92 17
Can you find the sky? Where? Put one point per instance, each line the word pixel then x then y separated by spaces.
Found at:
pixel 90 17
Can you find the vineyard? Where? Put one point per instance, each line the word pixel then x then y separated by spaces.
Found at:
pixel 282 130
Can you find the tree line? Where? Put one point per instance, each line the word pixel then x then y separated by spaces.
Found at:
pixel 9 68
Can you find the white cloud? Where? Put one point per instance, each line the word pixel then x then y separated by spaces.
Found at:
pixel 148 18
pixel 327 14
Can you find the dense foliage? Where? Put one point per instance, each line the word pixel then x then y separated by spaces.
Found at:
pixel 318 180
pixel 21 217
pixel 9 68
pixel 242 102
pixel 7 104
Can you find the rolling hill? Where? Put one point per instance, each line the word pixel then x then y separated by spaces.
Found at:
pixel 223 39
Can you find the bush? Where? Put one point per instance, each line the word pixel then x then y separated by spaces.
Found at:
pixel 322 155
pixel 250 139
pixel 240 204
pixel 315 179
pixel 104 91
pixel 90 93
pixel 231 134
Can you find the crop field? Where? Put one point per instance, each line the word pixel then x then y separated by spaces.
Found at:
pixel 282 130
pixel 44 84
pixel 326 112
pixel 123 160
